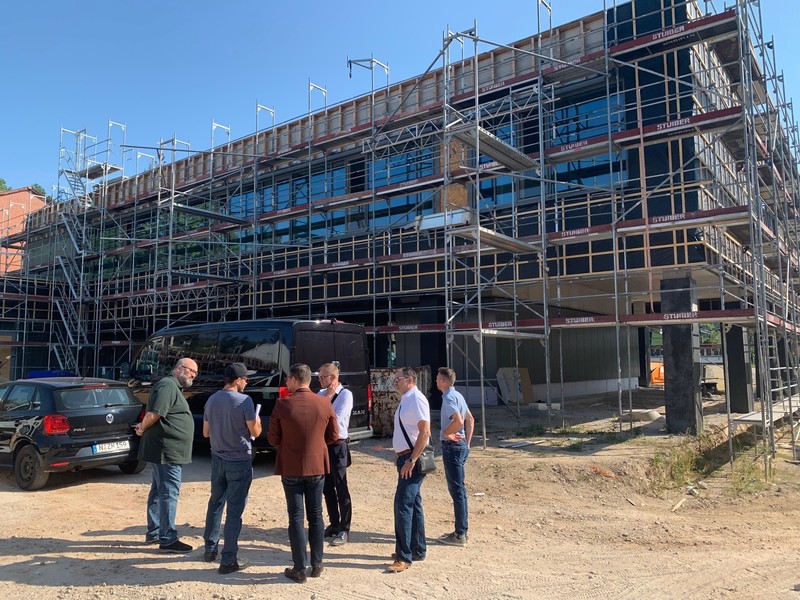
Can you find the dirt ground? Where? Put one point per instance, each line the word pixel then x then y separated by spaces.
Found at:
pixel 570 515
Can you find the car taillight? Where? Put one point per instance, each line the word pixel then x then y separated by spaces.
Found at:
pixel 369 403
pixel 142 413
pixel 283 392
pixel 55 424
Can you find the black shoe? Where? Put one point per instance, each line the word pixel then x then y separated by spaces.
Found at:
pixel 298 575
pixel 317 571
pixel 176 547
pixel 331 531
pixel 210 555
pixel 149 541
pixel 238 565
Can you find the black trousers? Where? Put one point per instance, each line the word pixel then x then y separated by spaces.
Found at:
pixel 336 492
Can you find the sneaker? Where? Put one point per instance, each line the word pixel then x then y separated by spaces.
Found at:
pixel 150 541
pixel 176 547
pixel 210 555
pixel 398 566
pixel 341 538
pixel 317 571
pixel 453 539
pixel 331 531
pixel 414 557
pixel 238 565
pixel 298 575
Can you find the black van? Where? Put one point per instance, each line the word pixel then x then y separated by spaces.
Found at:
pixel 267 346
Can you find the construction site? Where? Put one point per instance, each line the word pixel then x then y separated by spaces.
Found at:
pixel 528 212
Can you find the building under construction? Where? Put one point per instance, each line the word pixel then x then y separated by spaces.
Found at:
pixel 539 205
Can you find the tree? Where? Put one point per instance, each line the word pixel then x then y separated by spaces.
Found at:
pixel 3 186
pixel 39 189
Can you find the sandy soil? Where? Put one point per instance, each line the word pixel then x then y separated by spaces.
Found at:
pixel 570 516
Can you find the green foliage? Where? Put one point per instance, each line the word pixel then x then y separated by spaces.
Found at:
pixel 747 475
pixel 536 430
pixel 675 466
pixel 567 430
pixel 3 186
pixel 575 446
pixel 39 189
pixel 710 333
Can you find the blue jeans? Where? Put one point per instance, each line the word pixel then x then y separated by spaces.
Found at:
pixel 409 519
pixel 230 483
pixel 162 503
pixel 454 456
pixel 300 492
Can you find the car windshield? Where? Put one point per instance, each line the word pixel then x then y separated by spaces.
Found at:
pixel 79 398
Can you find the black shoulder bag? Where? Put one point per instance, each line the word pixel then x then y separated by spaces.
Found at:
pixel 425 461
pixel 349 457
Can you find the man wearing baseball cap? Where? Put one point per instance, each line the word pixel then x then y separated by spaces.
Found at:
pixel 229 421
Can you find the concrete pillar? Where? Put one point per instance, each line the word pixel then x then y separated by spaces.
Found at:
pixel 738 369
pixel 643 334
pixel 682 368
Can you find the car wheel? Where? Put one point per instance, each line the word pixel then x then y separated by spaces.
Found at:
pixel 29 470
pixel 133 467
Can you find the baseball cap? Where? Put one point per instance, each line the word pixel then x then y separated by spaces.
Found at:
pixel 236 370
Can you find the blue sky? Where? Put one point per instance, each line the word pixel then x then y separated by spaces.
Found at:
pixel 170 67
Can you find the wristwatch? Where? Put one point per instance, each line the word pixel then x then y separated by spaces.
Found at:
pixel 412 460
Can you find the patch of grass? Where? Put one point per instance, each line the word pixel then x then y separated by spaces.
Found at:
pixel 747 476
pixel 704 455
pixel 675 466
pixel 535 430
pixel 568 430
pixel 608 438
pixel 576 446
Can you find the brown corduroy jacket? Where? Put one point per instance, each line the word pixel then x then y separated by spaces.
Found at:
pixel 301 427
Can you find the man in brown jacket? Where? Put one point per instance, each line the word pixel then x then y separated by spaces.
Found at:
pixel 301 427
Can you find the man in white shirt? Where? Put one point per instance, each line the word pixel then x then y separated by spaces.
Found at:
pixel 336 492
pixel 412 430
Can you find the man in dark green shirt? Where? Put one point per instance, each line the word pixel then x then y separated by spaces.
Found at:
pixel 167 431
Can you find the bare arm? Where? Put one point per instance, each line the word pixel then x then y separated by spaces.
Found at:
pixel 469 427
pixel 149 420
pixel 206 429
pixel 254 427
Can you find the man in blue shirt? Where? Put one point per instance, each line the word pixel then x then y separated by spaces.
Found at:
pixel 457 426
pixel 229 420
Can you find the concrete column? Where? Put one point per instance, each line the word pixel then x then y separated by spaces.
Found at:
pixel 682 368
pixel 643 334
pixel 738 369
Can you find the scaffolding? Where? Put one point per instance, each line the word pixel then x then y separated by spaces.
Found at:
pixel 523 205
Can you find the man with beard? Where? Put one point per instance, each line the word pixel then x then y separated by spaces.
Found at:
pixel 167 431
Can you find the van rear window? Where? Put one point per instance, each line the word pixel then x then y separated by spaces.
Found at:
pixel 317 347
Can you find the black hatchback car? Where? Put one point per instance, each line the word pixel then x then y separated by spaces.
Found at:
pixel 65 424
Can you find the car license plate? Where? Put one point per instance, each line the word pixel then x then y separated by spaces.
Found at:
pixel 110 447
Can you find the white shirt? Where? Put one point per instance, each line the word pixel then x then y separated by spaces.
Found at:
pixel 413 408
pixel 343 407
